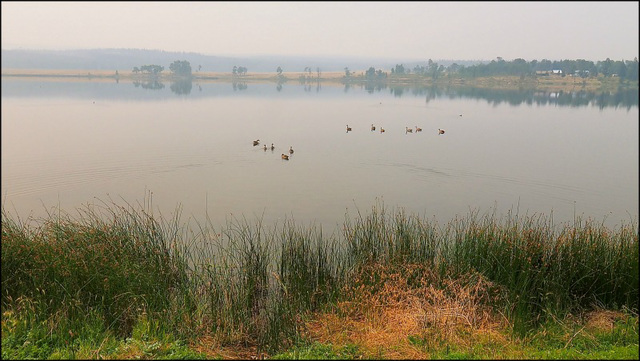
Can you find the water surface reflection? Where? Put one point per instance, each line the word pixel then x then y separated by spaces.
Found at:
pixel 73 142
pixel 12 87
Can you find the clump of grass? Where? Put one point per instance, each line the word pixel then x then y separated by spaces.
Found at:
pixel 407 311
pixel 117 265
pixel 256 283
pixel 233 282
pixel 546 270
pixel 25 339
pixel 398 238
pixel 319 351
pixel 310 268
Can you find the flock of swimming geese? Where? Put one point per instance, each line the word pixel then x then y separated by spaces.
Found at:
pixel 373 128
pixel 283 156
pixel 406 129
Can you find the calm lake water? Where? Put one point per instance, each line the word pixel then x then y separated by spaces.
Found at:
pixel 73 143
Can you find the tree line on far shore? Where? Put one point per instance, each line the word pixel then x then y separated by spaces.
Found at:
pixel 625 70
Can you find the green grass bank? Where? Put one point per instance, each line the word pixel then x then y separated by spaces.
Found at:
pixel 115 281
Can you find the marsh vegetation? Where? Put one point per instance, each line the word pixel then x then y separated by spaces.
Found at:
pixel 117 282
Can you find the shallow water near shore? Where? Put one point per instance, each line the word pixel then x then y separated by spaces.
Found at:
pixel 71 143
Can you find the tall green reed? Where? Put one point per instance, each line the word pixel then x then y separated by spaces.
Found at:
pixel 546 269
pixel 258 282
pixel 121 263
pixel 378 237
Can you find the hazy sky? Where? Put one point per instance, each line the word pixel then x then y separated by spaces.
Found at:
pixel 395 30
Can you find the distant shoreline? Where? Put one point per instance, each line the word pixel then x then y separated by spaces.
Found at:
pixel 543 83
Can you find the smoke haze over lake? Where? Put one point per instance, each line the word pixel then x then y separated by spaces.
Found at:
pixel 393 30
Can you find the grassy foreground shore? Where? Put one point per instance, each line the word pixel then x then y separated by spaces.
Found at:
pixel 543 83
pixel 115 282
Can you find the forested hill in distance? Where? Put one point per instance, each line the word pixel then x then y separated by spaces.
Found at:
pixel 127 59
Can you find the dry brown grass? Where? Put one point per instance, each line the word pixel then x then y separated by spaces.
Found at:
pixel 213 349
pixel 402 312
pixel 603 320
pixel 386 314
